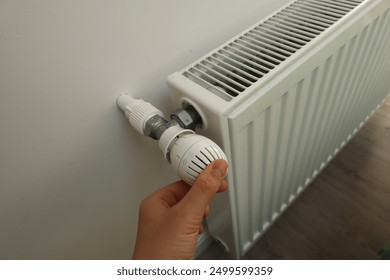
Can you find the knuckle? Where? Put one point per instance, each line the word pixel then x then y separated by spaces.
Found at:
pixel 206 185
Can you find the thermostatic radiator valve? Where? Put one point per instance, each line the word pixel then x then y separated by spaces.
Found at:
pixel 187 152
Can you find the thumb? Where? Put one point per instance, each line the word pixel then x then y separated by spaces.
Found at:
pixel 205 186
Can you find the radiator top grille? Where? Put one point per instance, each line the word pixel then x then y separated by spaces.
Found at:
pixel 235 67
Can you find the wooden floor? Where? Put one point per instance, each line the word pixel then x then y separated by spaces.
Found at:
pixel 344 213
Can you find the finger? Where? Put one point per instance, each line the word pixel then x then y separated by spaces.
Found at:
pixel 170 194
pixel 223 187
pixel 205 187
pixel 207 210
pixel 200 229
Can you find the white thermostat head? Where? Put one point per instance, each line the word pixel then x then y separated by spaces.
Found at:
pixel 169 137
pixel 191 153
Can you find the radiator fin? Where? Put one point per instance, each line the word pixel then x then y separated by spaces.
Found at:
pixel 232 69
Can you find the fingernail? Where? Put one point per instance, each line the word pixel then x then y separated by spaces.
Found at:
pixel 219 169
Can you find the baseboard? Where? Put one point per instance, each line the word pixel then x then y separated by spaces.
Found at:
pixel 204 240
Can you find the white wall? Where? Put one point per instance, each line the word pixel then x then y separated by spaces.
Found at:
pixel 72 172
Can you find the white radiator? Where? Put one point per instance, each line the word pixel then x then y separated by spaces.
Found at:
pixel 282 98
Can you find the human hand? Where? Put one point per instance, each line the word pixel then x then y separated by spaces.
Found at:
pixel 171 218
